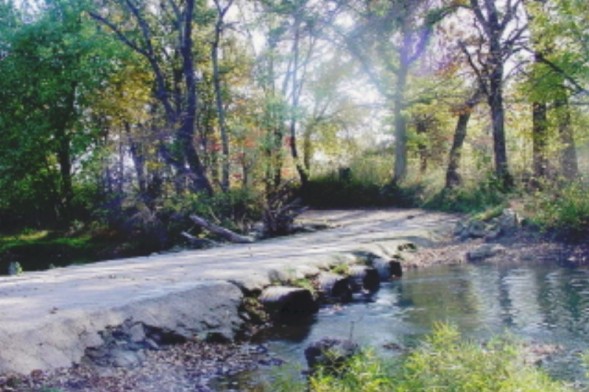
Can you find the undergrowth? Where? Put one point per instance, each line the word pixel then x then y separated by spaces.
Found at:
pixel 443 362
pixel 564 209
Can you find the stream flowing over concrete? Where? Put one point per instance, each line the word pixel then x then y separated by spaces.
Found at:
pixel 53 318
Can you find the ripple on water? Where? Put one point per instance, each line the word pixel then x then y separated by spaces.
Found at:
pixel 547 305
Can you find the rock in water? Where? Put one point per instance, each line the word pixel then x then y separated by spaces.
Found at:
pixel 330 353
pixel 334 286
pixel 364 278
pixel 288 304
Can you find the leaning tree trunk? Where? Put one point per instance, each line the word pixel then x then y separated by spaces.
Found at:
pixel 453 178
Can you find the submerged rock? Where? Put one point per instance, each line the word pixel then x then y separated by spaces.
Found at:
pixel 330 353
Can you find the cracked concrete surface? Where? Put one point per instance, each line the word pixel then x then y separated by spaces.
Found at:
pixel 48 319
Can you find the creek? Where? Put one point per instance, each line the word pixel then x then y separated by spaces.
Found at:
pixel 538 304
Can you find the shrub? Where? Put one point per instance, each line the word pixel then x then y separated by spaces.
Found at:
pixel 483 195
pixel 564 209
pixel 443 362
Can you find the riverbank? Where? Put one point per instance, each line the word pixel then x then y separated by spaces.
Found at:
pixel 191 365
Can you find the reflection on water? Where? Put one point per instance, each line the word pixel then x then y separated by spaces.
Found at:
pixel 539 304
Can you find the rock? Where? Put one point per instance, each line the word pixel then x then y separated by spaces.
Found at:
pixel 508 221
pixel 330 353
pixel 364 278
pixel 288 304
pixel 484 252
pixel 477 229
pixel 137 333
pixel 14 268
pixel 387 268
pixel 334 286
pixel 125 359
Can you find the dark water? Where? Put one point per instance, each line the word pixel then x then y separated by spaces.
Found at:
pixel 537 304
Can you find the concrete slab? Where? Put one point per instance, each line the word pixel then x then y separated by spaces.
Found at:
pixel 48 319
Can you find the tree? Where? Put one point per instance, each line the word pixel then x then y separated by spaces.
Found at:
pixel 388 40
pixel 172 63
pixel 56 63
pixel 501 30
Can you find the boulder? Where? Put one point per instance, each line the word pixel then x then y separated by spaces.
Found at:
pixel 364 278
pixel 288 304
pixel 334 286
pixel 508 222
pixel 387 269
pixel 330 353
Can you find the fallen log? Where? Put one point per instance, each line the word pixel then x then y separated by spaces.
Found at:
pixel 197 242
pixel 221 231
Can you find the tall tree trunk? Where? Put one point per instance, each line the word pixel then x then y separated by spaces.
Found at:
pixel 540 139
pixel 495 99
pixel 187 128
pixel 62 123
pixel 400 169
pixel 295 84
pixel 568 154
pixel 138 160
pixel 225 164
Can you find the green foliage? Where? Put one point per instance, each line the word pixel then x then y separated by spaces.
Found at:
pixel 564 209
pixel 443 362
pixel 363 184
pixel 54 247
pixel 484 195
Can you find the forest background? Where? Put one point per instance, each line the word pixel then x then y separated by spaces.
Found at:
pixel 121 118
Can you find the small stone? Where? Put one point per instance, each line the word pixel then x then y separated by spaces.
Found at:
pixel 484 252
pixel 137 333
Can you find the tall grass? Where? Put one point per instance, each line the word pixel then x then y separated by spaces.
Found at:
pixel 443 362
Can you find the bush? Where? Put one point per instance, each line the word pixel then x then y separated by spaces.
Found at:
pixel 484 195
pixel 341 190
pixel 443 362
pixel 565 210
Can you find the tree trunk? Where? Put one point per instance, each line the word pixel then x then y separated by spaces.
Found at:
pixel 138 160
pixel 400 170
pixel 295 84
pixel 540 139
pixel 221 231
pixel 495 100
pixel 568 154
pixel 453 178
pixel 187 128
pixel 225 168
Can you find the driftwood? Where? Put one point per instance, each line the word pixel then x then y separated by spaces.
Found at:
pixel 198 242
pixel 221 231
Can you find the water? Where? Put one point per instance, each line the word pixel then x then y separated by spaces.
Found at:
pixel 547 305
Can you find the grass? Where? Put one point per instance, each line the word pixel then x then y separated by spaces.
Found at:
pixel 562 209
pixel 444 361
pixel 39 250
